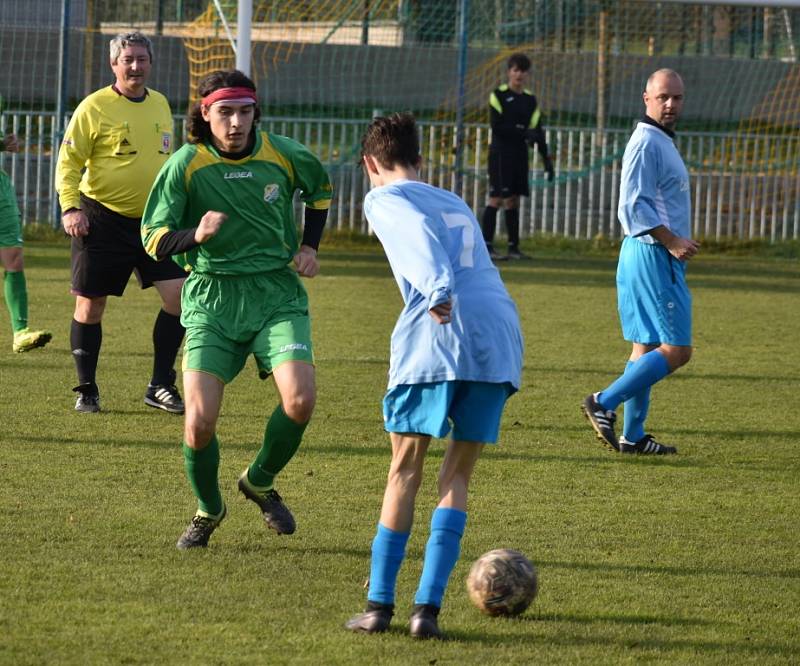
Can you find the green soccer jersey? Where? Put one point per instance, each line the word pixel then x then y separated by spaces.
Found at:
pixel 255 193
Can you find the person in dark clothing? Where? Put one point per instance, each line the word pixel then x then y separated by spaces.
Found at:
pixel 516 124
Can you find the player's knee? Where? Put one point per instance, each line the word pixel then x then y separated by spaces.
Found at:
pixel 11 258
pixel 678 357
pixel 89 310
pixel 198 430
pixel 684 356
pixel 300 406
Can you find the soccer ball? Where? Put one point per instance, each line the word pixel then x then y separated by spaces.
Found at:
pixel 502 582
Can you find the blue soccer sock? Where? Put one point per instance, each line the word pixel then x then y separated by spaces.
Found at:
pixel 635 411
pixel 388 551
pixel 441 555
pixel 649 369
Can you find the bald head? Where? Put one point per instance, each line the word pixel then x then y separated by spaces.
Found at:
pixel 663 97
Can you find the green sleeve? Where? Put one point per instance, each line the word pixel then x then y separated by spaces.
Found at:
pixel 310 177
pixel 166 205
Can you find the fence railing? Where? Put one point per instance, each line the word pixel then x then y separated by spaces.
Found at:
pixel 731 195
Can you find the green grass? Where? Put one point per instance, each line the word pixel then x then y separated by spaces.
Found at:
pixel 683 560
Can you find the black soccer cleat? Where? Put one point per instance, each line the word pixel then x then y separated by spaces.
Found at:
pixel 424 622
pixel 374 620
pixel 88 401
pixel 164 396
pixel 602 421
pixel 515 253
pixel 647 445
pixel 276 513
pixel 199 531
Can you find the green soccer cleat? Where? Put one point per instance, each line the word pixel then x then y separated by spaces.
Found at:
pixel 26 339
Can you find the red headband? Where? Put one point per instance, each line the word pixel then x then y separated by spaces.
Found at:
pixel 240 94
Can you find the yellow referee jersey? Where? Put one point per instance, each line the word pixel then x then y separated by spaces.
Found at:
pixel 121 144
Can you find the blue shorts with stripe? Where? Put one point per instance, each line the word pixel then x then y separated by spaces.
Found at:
pixel 473 408
pixel 654 303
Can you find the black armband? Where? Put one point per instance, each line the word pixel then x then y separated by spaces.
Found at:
pixel 176 242
pixel 313 223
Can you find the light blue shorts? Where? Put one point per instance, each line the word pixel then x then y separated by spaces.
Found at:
pixel 655 306
pixel 474 408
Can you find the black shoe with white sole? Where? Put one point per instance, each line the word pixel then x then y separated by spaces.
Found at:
pixel 602 421
pixel 164 396
pixel 647 445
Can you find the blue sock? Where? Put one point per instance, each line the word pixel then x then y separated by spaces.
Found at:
pixel 635 412
pixel 645 372
pixel 441 555
pixel 388 551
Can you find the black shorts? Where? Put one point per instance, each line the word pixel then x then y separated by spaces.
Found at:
pixel 508 174
pixel 103 260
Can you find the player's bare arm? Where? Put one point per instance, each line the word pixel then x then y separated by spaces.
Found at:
pixel 209 225
pixel 441 313
pixel 306 262
pixel 680 248
pixel 75 223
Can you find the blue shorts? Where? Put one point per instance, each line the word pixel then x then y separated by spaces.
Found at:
pixel 474 408
pixel 655 306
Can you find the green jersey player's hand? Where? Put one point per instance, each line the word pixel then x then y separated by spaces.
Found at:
pixel 306 262
pixel 209 225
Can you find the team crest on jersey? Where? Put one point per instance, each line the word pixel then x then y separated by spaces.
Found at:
pixel 271 193
pixel 166 142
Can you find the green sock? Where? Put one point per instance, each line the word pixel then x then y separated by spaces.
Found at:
pixel 281 441
pixel 16 293
pixel 201 470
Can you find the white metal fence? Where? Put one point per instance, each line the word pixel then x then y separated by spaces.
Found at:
pixel 729 198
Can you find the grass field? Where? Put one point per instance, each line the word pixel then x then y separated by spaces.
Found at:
pixel 682 560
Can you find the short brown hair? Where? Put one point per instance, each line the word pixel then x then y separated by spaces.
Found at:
pixel 392 140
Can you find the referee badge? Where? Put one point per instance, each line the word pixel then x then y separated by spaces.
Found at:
pixel 271 193
pixel 166 142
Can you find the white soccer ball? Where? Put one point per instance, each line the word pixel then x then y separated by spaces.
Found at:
pixel 502 582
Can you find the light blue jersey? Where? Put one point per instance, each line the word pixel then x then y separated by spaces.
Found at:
pixel 654 186
pixel 436 251
pixel 654 303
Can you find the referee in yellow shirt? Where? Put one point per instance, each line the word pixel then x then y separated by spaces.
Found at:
pixel 115 144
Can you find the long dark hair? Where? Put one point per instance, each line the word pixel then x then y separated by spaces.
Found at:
pixel 198 129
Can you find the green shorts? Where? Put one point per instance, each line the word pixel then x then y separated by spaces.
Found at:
pixel 229 317
pixel 10 226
